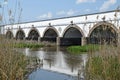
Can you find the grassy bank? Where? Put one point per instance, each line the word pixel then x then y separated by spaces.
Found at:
pixel 32 44
pixel 81 49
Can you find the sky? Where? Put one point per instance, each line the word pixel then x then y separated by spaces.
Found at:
pixel 33 10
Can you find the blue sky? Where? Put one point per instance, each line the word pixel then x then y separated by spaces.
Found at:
pixel 32 10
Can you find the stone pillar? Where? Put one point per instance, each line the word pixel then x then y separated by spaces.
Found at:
pixel 39 39
pixel 83 41
pixel 58 41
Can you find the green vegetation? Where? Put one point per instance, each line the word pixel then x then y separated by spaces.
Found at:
pixel 105 65
pixel 103 68
pixel 81 49
pixel 27 45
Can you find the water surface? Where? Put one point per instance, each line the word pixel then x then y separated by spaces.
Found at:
pixel 57 64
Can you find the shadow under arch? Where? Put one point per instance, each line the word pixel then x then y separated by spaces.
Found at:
pixel 9 35
pixel 72 35
pixel 20 35
pixel 50 34
pixel 103 32
pixel 33 34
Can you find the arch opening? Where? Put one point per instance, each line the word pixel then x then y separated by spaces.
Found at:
pixel 33 35
pixel 72 36
pixel 50 35
pixel 20 35
pixel 9 35
pixel 103 34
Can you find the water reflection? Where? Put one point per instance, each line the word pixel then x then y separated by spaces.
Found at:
pixel 49 58
pixel 73 62
pixel 55 59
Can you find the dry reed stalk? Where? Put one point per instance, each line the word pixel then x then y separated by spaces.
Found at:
pixel 12 65
pixel 104 66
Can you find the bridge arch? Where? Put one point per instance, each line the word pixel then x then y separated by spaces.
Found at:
pixel 72 35
pixel 103 32
pixel 74 26
pixel 9 34
pixel 20 35
pixel 50 34
pixel 33 34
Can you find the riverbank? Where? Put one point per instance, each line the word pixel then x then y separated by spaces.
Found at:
pixel 33 64
pixel 32 44
pixel 103 65
pixel 14 65
pixel 27 45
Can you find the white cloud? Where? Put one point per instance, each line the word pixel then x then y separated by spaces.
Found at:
pixel 66 13
pixel 70 12
pixel 84 1
pixel 61 13
pixel 107 4
pixel 45 16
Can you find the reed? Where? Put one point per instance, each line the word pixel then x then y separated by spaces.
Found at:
pixel 13 64
pixel 105 65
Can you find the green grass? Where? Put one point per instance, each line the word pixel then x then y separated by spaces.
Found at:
pixel 82 49
pixel 105 65
pixel 103 68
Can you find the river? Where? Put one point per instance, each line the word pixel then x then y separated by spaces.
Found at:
pixel 57 64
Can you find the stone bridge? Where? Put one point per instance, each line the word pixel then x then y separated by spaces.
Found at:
pixel 94 28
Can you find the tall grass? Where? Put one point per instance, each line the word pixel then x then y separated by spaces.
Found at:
pixel 12 64
pixel 105 65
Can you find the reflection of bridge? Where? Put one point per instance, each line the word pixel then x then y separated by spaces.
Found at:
pixel 90 28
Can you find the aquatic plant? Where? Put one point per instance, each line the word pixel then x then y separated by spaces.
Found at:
pixel 81 49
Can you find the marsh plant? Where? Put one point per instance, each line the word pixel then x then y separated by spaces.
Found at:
pixel 105 65
pixel 12 63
